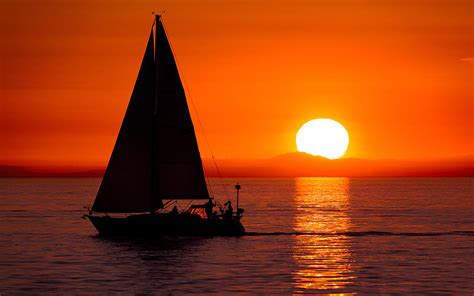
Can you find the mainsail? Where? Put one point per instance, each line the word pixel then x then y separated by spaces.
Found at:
pixel 156 155
pixel 177 167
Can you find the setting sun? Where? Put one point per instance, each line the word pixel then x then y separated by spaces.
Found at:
pixel 322 137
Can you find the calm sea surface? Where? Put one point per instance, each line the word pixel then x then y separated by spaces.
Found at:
pixel 368 236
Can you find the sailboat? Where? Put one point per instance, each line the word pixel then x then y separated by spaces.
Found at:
pixel 156 158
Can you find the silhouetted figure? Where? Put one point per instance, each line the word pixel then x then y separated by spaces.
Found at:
pixel 229 211
pixel 174 211
pixel 209 207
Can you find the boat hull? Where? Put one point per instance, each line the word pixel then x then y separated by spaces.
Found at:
pixel 151 225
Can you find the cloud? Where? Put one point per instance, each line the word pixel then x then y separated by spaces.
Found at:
pixel 467 60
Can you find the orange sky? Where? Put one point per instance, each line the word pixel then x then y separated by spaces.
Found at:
pixel 396 74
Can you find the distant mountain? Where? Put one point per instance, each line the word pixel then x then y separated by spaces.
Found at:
pixel 288 165
pixel 9 171
pixel 14 171
pixel 305 165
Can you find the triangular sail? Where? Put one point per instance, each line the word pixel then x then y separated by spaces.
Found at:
pixel 156 155
pixel 126 186
pixel 178 171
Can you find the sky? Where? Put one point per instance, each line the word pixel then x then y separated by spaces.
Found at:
pixel 396 74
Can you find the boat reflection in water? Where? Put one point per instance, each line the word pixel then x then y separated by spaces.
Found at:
pixel 323 261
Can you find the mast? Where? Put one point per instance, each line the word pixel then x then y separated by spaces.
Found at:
pixel 153 133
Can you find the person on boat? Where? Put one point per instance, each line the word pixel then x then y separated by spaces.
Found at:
pixel 174 211
pixel 209 206
pixel 229 211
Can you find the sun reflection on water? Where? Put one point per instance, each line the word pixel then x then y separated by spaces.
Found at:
pixel 324 260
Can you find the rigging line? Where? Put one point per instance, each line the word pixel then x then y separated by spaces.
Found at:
pixel 189 204
pixel 167 203
pixel 197 116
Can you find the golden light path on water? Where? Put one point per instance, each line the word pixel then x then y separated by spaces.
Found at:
pixel 323 261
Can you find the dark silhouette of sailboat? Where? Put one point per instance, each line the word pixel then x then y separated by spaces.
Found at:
pixel 156 158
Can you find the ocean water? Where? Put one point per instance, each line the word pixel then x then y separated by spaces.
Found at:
pixel 306 235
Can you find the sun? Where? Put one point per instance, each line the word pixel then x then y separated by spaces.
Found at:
pixel 323 137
